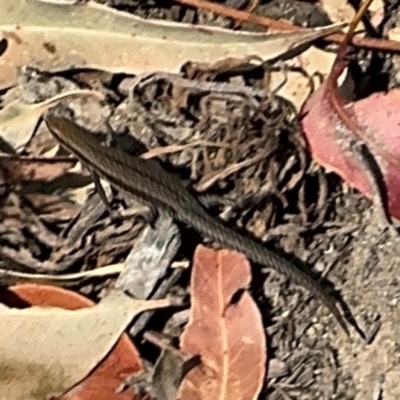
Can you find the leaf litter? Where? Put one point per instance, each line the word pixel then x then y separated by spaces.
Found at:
pixel 63 346
pixel 221 162
pixel 54 37
pixel 233 357
pixel 210 118
pixel 351 139
pixel 18 119
pixel 119 363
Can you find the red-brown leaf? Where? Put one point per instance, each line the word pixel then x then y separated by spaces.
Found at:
pixel 228 337
pixel 378 116
pixel 14 170
pixel 332 126
pixel 120 363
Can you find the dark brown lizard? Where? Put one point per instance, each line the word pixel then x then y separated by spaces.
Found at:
pixel 149 183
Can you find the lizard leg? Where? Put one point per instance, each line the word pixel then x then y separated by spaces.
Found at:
pixel 151 217
pixel 100 191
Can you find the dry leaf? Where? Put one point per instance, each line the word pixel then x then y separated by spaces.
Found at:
pixel 18 119
pixel 55 37
pixel 344 136
pixel 15 170
pixel 46 351
pixel 394 34
pixel 53 208
pixel 343 10
pixel 233 356
pixel 8 276
pixel 298 85
pixel 122 361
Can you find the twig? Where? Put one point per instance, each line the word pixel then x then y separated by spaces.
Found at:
pixel 368 43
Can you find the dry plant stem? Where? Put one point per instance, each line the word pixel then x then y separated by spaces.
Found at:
pixel 368 43
pixel 202 86
pixel 43 159
pixel 159 151
pixel 226 64
pixel 32 220
pixel 208 181
pixel 253 4
pixel 322 202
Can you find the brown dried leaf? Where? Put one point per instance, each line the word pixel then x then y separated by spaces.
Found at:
pixel 233 356
pixel 52 208
pixel 55 37
pixel 18 119
pixel 63 347
pixel 25 169
pixel 122 361
pixel 360 141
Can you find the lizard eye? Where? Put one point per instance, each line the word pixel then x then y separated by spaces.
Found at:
pixel 3 46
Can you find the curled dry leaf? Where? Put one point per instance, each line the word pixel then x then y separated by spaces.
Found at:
pixel 18 119
pixel 122 361
pixel 340 132
pixel 312 64
pixel 233 356
pixel 64 346
pixel 55 37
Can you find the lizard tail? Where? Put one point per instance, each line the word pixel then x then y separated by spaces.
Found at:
pixel 213 229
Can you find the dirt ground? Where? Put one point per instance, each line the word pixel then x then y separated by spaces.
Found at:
pixel 343 237
pixel 331 366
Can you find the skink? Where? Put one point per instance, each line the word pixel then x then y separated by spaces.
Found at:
pixel 149 183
